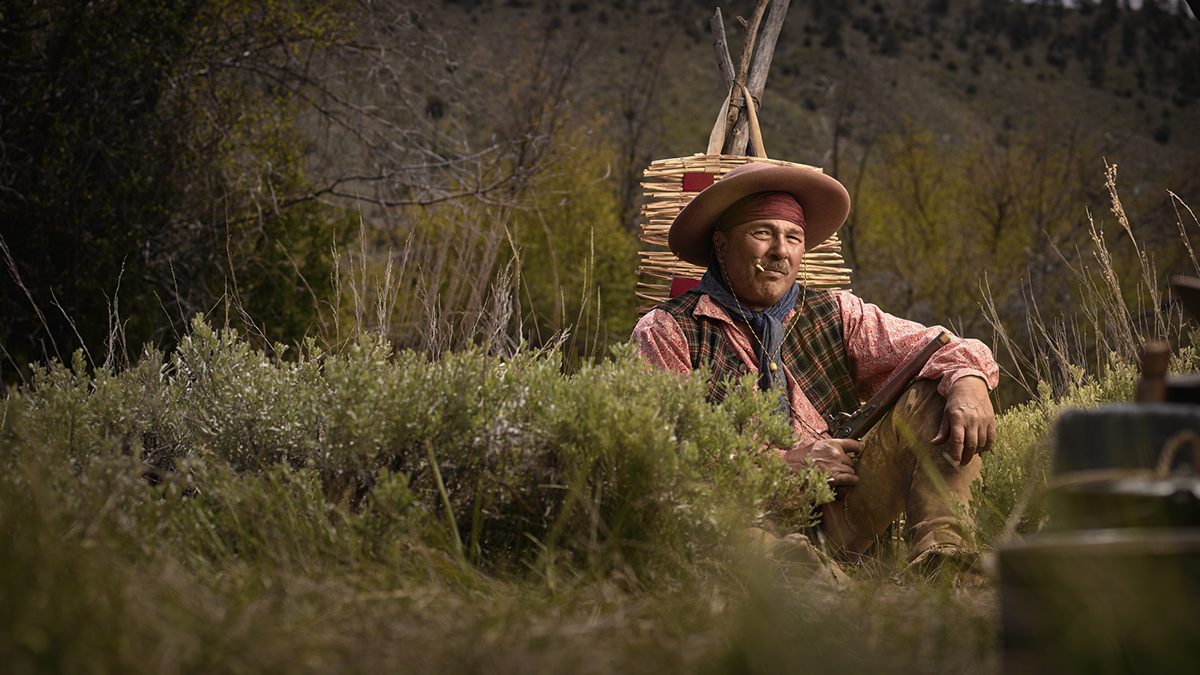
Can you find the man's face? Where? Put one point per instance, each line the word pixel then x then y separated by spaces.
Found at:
pixel 779 246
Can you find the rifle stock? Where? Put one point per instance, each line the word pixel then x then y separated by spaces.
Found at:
pixel 855 425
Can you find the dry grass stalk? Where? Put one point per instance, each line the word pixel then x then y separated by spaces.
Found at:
pixel 1148 272
pixel 449 284
pixel 1060 348
pixel 1176 202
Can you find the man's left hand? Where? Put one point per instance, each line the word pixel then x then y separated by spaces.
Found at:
pixel 969 423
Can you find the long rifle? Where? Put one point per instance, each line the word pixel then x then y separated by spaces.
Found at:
pixel 856 424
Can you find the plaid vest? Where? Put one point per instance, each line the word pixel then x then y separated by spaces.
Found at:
pixel 813 350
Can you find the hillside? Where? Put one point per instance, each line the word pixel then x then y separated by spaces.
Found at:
pixel 492 151
pixel 1124 81
pixel 986 125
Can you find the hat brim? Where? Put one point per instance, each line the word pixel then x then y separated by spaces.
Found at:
pixel 823 199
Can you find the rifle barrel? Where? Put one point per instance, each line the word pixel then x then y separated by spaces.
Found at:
pixel 857 424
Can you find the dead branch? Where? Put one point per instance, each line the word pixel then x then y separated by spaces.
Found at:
pixel 721 46
pixel 763 53
pixel 735 95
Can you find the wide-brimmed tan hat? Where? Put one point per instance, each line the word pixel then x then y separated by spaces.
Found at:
pixel 824 201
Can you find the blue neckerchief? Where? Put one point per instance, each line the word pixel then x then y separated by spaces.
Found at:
pixel 767 325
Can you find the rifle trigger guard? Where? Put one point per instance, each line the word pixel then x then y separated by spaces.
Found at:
pixel 841 423
pixel 836 417
pixel 840 418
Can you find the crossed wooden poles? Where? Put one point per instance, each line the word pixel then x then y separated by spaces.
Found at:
pixel 753 66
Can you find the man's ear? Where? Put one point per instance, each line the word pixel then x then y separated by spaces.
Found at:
pixel 719 240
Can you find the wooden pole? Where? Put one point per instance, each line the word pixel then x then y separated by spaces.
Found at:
pixel 757 83
pixel 735 95
pixel 722 48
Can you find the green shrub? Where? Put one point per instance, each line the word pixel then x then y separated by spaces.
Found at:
pixel 225 453
pixel 1016 471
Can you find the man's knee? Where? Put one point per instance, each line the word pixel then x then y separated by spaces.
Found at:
pixel 917 416
pixel 922 394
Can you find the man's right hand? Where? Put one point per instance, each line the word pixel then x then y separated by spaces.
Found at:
pixel 830 454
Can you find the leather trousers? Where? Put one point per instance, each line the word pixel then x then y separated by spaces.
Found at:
pixel 899 470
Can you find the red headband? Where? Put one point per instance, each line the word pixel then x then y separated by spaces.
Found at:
pixel 762 206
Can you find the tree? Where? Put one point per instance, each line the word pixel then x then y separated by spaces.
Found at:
pixel 160 162
pixel 934 220
pixel 138 137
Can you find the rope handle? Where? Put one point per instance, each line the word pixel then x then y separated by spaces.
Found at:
pixel 716 138
pixel 1172 447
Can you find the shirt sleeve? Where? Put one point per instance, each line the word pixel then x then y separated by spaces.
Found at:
pixel 878 344
pixel 662 343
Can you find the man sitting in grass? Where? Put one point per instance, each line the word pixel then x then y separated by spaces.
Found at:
pixel 821 352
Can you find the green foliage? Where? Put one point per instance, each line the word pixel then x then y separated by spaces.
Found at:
pixel 546 257
pixel 1012 495
pixel 151 156
pixel 226 507
pixel 932 214
pixel 578 259
pixel 88 169
pixel 50 602
pixel 329 455
pixel 1016 471
pixel 785 632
